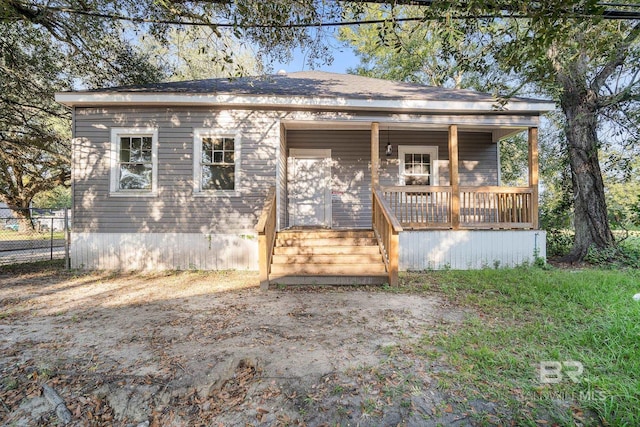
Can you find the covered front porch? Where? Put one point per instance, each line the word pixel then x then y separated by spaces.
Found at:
pixel 412 182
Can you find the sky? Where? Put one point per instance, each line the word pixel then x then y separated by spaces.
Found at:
pixel 344 58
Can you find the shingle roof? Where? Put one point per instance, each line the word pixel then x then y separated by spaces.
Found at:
pixel 312 84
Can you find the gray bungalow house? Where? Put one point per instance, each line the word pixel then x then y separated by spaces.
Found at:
pixel 308 177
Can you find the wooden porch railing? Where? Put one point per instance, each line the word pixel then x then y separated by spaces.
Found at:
pixel 387 230
pixel 424 207
pixel 420 206
pixel 496 207
pixel 266 229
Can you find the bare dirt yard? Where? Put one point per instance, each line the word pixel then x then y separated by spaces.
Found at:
pixel 190 348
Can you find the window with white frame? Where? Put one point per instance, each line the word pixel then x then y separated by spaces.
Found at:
pixel 216 159
pixel 418 165
pixel 134 161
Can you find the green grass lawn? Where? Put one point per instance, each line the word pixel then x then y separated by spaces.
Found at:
pixel 15 235
pixel 521 317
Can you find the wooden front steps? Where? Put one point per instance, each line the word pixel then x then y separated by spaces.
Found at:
pixel 327 257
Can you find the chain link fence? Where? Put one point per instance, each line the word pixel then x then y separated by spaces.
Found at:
pixel 29 235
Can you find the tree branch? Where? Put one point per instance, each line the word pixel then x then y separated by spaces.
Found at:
pixel 618 57
pixel 45 110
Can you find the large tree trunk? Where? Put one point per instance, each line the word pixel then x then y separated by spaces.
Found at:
pixel 23 214
pixel 20 208
pixel 25 222
pixel 590 208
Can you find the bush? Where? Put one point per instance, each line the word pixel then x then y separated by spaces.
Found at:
pixel 625 253
pixel 559 242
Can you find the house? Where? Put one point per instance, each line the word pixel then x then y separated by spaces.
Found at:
pixel 310 177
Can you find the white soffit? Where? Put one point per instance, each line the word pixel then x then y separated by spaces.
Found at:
pixel 105 99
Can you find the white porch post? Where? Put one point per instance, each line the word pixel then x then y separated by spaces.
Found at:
pixel 533 175
pixel 453 176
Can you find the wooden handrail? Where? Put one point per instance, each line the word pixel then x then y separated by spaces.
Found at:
pixel 387 229
pixel 386 211
pixel 266 230
pixel 415 188
pixel 268 205
pixel 496 189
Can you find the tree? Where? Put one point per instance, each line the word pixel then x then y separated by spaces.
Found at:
pixel 33 138
pixel 589 70
pixel 274 27
pixel 56 198
pixel 37 59
pixel 199 53
pixel 406 47
pixel 590 82
pixel 565 50
pixel 622 188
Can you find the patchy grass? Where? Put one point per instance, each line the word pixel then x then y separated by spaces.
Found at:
pixel 52 267
pixel 10 235
pixel 523 317
pixel 446 347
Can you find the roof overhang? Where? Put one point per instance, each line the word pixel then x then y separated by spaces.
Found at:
pixel 79 99
pixel 499 127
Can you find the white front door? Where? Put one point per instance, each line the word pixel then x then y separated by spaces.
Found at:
pixel 309 184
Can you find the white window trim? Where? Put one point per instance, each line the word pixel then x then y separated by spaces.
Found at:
pixel 198 134
pixel 114 187
pixel 418 149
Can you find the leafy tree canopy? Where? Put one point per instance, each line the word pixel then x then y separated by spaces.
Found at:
pixel 199 53
pixel 570 51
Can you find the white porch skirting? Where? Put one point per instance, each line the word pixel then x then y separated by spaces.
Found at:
pixel 164 251
pixel 419 250
pixel 470 249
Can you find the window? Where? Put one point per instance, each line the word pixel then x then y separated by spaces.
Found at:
pixel 418 165
pixel 216 156
pixel 134 161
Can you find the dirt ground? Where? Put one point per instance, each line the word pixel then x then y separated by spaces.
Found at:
pixel 187 349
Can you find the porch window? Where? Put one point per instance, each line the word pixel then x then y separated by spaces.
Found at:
pixel 418 165
pixel 216 157
pixel 134 161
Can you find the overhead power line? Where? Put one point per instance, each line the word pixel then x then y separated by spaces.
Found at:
pixel 609 14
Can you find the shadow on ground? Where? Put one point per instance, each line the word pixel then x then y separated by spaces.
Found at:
pixel 190 348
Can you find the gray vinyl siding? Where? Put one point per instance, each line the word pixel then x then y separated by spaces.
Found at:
pixel 175 208
pixel 477 156
pixel 351 168
pixel 477 159
pixel 350 172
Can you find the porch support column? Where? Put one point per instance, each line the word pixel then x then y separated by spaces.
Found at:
pixel 375 153
pixel 375 161
pixel 533 175
pixel 454 178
